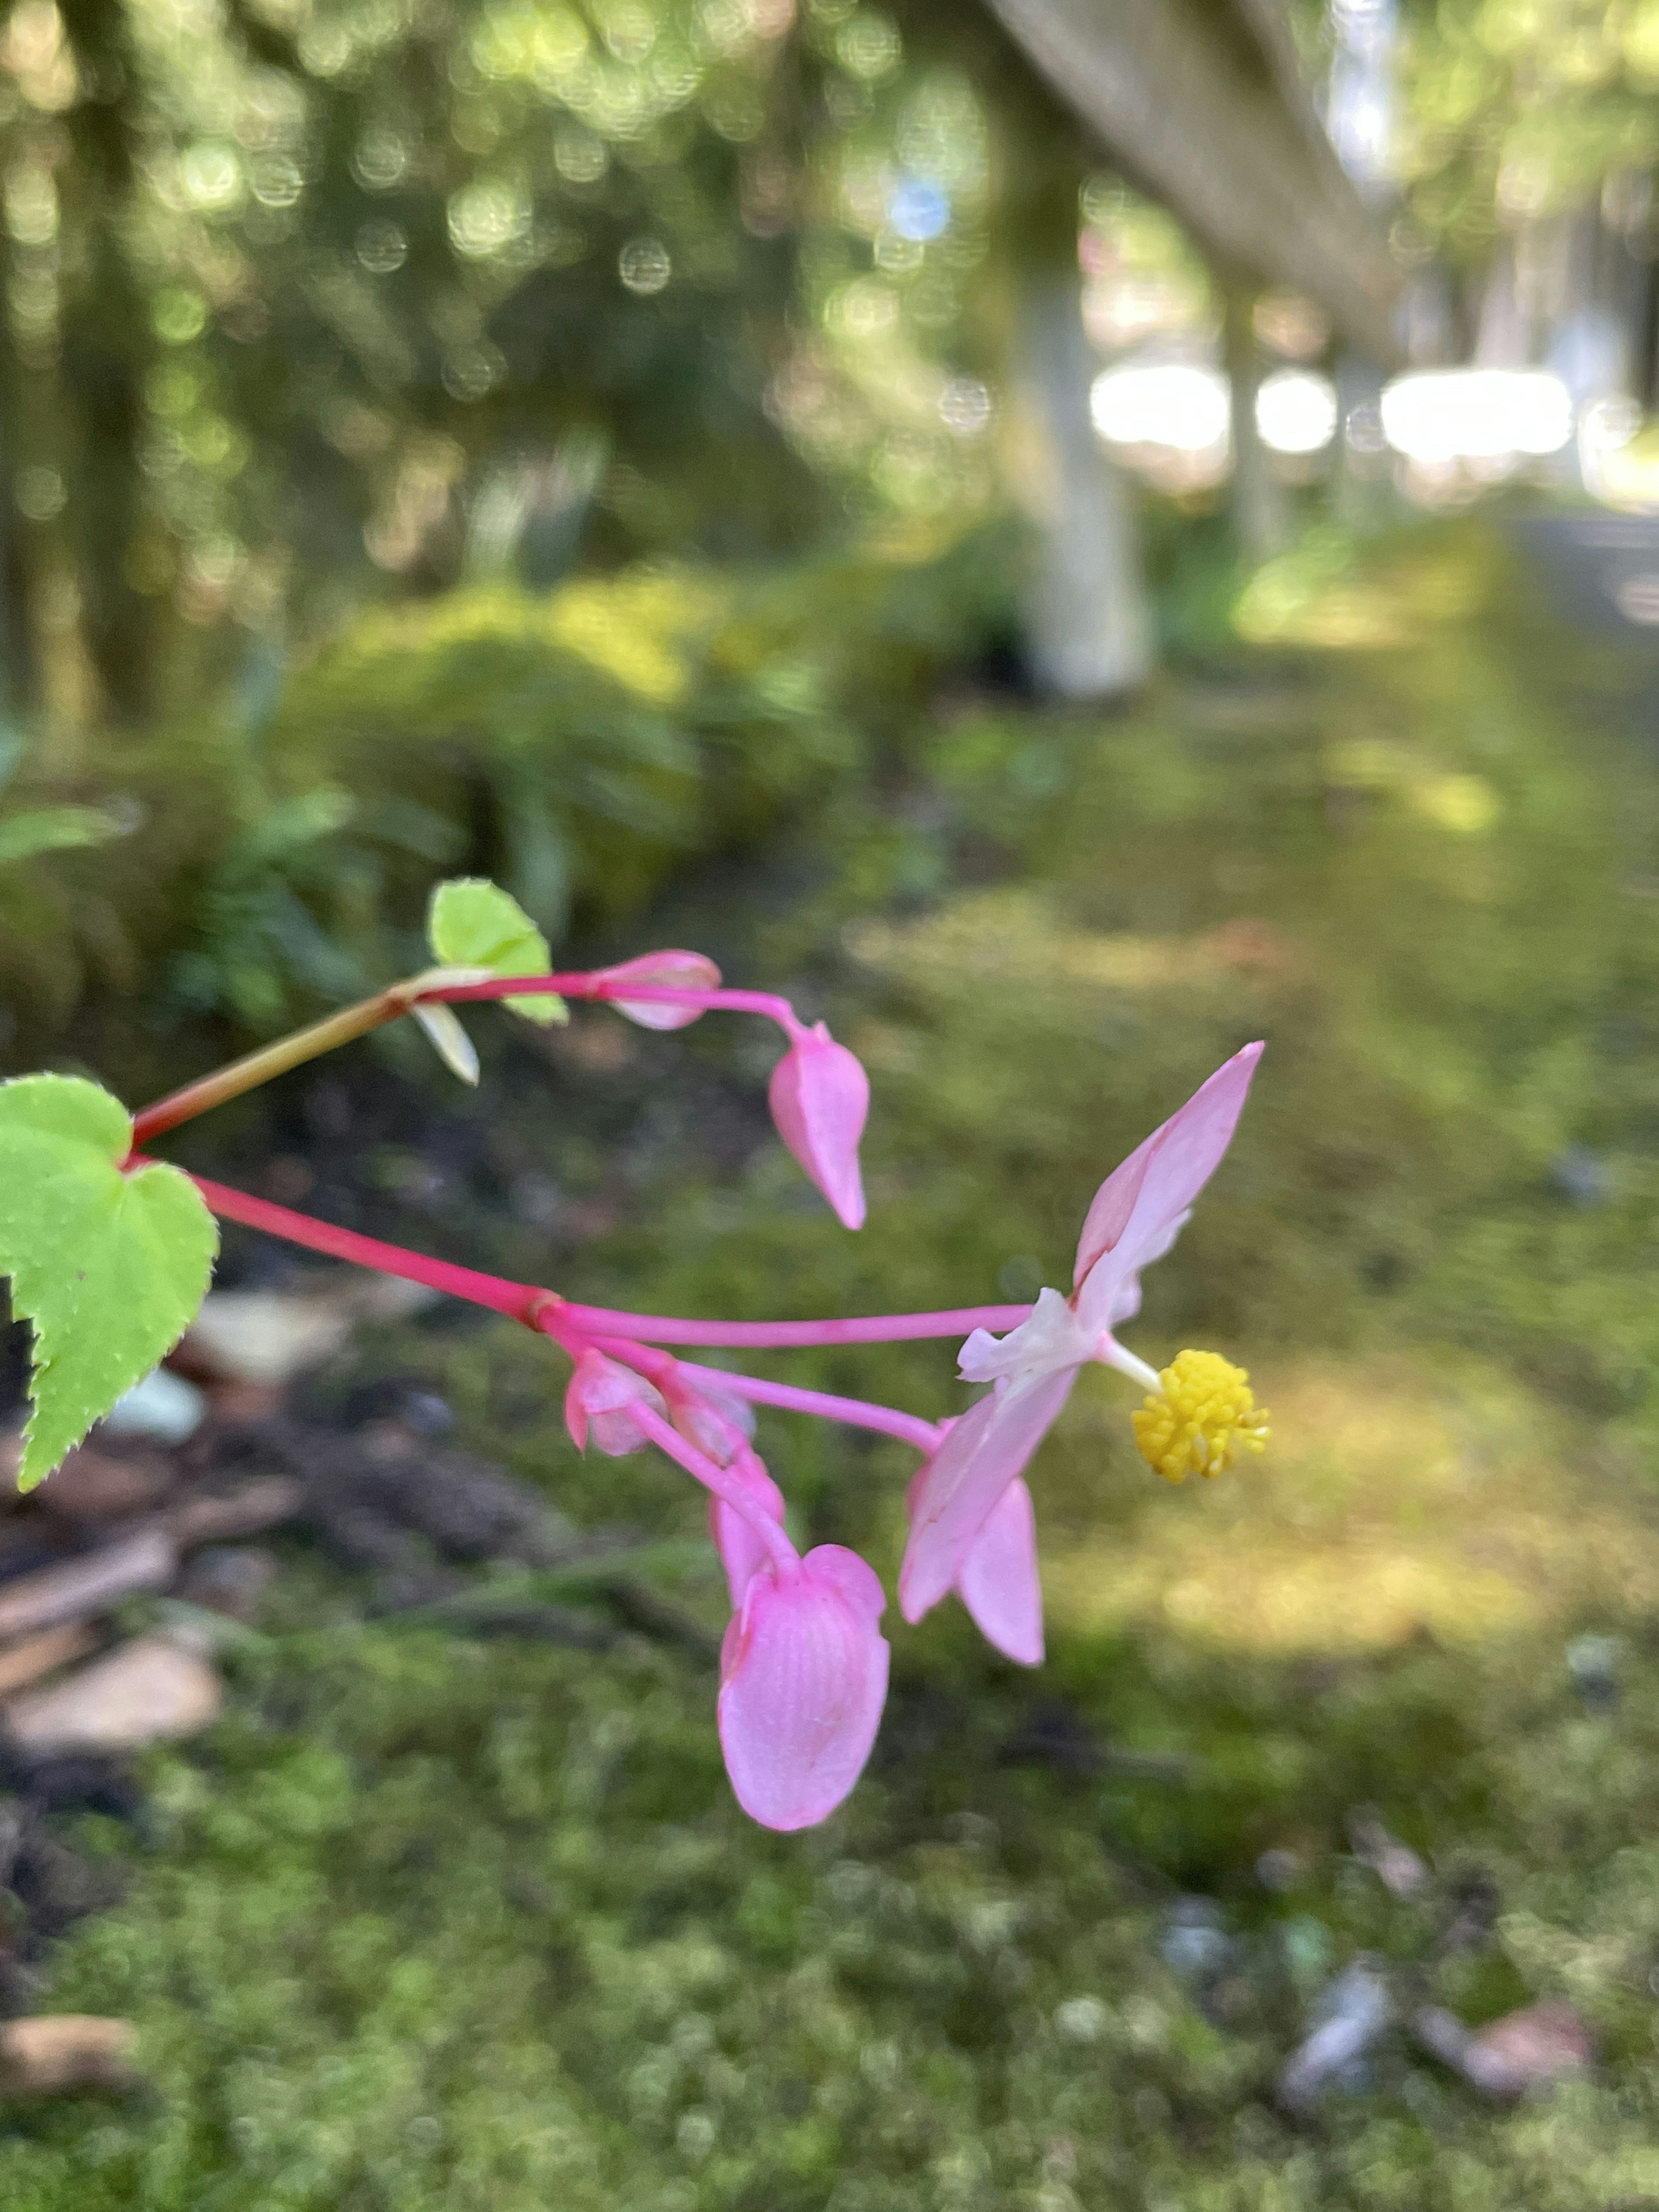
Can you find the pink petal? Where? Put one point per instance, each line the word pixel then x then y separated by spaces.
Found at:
pixel 1138 1210
pixel 963 1481
pixel 999 1578
pixel 742 1552
pixel 1047 1339
pixel 819 1097
pixel 596 1405
pixel 668 971
pixel 802 1680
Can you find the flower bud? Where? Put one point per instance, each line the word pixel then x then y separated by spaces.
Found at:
pixel 718 1424
pixel 819 1096
pixel 597 1402
pixel 663 971
pixel 802 1681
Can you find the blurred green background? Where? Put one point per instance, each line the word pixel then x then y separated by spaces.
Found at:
pixel 624 450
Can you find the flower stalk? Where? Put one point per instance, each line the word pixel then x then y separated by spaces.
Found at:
pixel 804 1668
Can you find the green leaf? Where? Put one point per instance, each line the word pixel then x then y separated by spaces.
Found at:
pixel 54 829
pixel 471 923
pixel 109 1269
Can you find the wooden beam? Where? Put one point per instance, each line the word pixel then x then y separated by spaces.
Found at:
pixel 1201 101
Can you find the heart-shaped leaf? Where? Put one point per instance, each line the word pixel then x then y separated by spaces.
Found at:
pixel 473 923
pixel 109 1269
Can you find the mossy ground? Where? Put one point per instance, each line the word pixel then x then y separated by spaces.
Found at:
pixel 440 1922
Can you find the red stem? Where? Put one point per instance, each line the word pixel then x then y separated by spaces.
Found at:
pixel 524 1302
pixel 560 1318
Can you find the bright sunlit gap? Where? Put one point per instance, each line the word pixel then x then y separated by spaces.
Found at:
pixel 1296 411
pixel 1172 418
pixel 1477 414
pixel 1185 408
pixel 1171 403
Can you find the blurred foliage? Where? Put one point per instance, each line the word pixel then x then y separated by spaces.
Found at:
pixel 1516 114
pixel 434 1921
pixel 307 304
pixel 580 745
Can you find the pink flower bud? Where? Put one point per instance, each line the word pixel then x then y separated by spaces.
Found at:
pixel 716 1422
pixel 802 1681
pixel 819 1096
pixel 742 1552
pixel 597 1402
pixel 665 971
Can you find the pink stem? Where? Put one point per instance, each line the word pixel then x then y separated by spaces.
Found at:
pixel 568 1322
pixel 857 1413
pixel 725 1486
pixel 537 1309
pixel 785 1335
pixel 604 988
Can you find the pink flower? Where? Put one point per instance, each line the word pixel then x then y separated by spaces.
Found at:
pixel 662 971
pixel 819 1096
pixel 802 1681
pixel 1137 1214
pixel 597 1403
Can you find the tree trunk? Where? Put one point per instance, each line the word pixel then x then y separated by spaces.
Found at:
pixel 1261 518
pixel 106 352
pixel 1090 624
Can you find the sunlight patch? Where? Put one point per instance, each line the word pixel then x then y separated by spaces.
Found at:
pixel 1394 1502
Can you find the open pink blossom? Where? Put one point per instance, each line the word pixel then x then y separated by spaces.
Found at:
pixel 819 1096
pixel 998 1580
pixel 598 1404
pixel 1137 1214
pixel 670 970
pixel 802 1681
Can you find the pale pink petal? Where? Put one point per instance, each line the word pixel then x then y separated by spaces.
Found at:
pixel 1112 1205
pixel 667 971
pixel 998 1581
pixel 962 1482
pixel 1138 1210
pixel 1101 1310
pixel 742 1552
pixel 1047 1340
pixel 804 1677
pixel 819 1096
pixel 596 1405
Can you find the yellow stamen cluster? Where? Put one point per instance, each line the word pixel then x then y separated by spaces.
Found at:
pixel 1204 1414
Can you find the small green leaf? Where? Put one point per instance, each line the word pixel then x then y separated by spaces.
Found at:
pixel 471 923
pixel 109 1269
pixel 54 829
